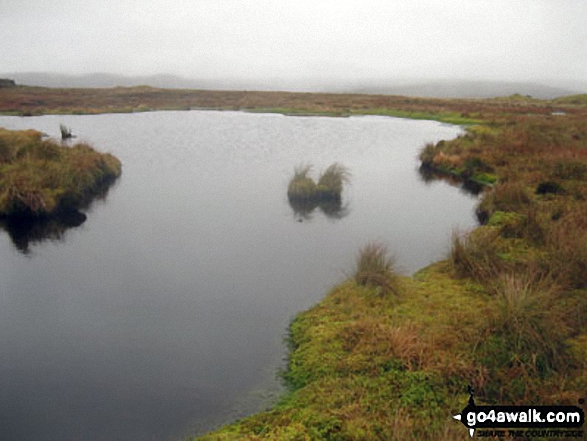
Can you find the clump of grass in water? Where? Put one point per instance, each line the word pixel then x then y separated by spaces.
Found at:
pixel 375 267
pixel 301 187
pixel 331 181
pixel 329 187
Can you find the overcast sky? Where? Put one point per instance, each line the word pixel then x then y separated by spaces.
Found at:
pixel 516 40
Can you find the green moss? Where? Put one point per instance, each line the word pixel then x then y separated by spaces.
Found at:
pixel 484 178
pixel 446 117
pixel 505 219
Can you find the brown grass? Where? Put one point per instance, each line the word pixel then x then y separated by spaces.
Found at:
pixel 375 267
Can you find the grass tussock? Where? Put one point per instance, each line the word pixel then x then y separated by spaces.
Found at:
pixel 330 182
pixel 566 245
pixel 477 254
pixel 375 267
pixel 528 339
pixel 301 186
pixel 529 319
pixel 40 178
pixel 329 187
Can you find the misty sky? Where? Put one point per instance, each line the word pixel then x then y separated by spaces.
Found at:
pixel 517 40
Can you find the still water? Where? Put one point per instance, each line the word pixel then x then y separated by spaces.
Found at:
pixel 163 314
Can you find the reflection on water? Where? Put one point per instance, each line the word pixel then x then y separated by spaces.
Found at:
pixel 331 208
pixel 428 174
pixel 24 231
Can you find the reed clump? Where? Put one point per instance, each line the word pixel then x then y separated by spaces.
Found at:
pixel 40 178
pixel 331 181
pixel 529 319
pixel 528 332
pixel 329 187
pixel 477 254
pixel 302 187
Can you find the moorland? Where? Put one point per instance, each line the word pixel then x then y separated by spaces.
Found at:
pixel 384 356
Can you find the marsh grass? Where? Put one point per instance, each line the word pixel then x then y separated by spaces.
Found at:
pixel 477 254
pixel 331 182
pixel 329 188
pixel 376 267
pixel 508 196
pixel 301 186
pixel 566 244
pixel 528 330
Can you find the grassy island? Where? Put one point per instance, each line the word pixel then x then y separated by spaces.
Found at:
pixel 42 178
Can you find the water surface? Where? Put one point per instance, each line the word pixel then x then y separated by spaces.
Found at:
pixel 163 314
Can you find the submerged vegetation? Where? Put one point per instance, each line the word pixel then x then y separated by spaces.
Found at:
pixel 329 187
pixel 40 178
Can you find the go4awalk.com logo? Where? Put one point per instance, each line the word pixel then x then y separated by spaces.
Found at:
pixel 536 421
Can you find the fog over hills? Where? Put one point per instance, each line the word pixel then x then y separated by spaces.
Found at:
pixel 421 88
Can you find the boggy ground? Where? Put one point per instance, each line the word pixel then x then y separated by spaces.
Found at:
pixel 385 357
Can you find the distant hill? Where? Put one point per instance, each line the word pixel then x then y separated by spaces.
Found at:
pixel 436 88
pixel 49 79
pixel 472 89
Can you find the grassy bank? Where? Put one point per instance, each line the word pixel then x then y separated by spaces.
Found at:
pixel 41 178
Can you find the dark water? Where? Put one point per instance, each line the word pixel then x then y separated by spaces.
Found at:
pixel 163 314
